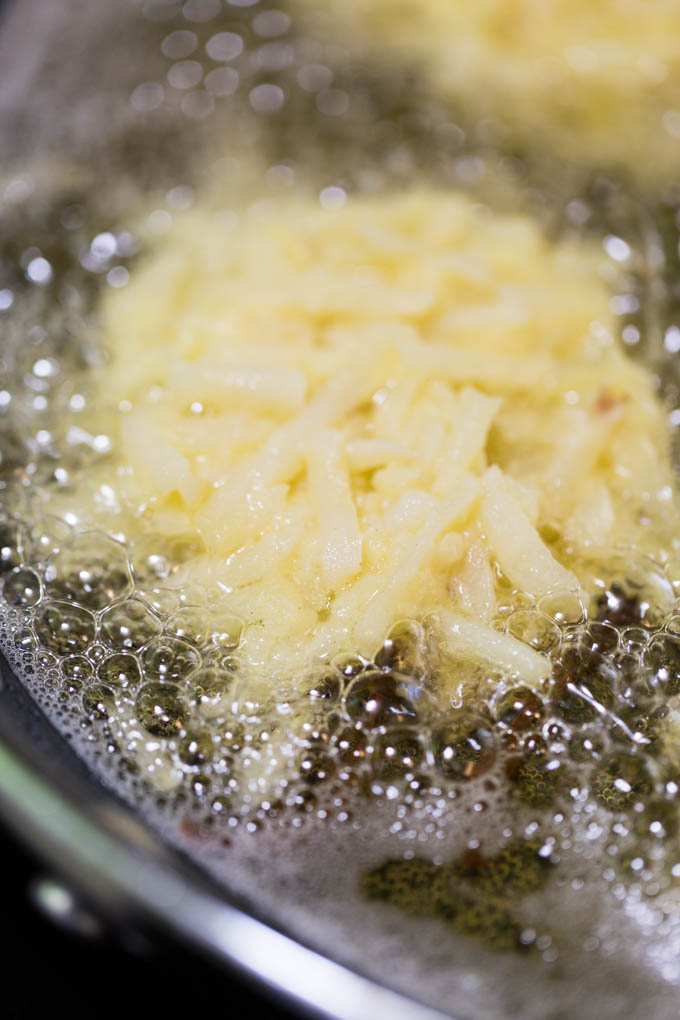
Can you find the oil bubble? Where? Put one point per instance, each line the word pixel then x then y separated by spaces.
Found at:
pixel 380 699
pixel 520 709
pixel 129 625
pixel 120 670
pixel 77 667
pixel 196 748
pixel 192 624
pixel 403 650
pixel 227 632
pixel 160 709
pixel 465 747
pixel 349 665
pixel 64 628
pixel 662 659
pixel 167 658
pixel 98 701
pixel 212 689
pixel 564 608
pixel 316 766
pixel 327 687
pixel 397 754
pixel 91 570
pixel 534 628
pixel 11 545
pixel 21 588
pixel 640 594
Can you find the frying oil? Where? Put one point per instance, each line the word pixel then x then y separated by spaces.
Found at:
pixel 532 836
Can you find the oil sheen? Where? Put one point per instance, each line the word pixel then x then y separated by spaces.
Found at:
pixel 339 527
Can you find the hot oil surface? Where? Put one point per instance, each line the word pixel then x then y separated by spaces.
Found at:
pixel 498 822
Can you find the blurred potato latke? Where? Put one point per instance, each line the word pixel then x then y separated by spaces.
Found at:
pixel 596 82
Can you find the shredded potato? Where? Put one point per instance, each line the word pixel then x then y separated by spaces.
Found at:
pixel 362 429
pixel 596 81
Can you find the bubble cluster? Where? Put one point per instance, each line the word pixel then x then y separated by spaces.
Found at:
pixel 131 664
pixel 162 678
pixel 474 895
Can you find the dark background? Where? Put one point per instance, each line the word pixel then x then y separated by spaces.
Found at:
pixel 48 972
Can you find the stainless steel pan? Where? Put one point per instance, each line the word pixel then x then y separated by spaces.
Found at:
pixel 68 70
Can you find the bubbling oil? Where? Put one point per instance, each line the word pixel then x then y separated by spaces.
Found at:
pixel 141 673
pixel 489 820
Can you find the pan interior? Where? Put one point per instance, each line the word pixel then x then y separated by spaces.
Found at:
pixel 466 891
